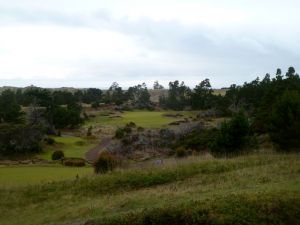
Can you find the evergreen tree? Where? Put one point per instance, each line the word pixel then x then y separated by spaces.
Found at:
pixel 10 110
pixel 285 121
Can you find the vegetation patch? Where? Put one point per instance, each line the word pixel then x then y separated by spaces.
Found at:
pixel 71 147
pixel 147 119
pixel 18 176
pixel 234 209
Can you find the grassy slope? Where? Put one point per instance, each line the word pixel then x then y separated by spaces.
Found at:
pixel 72 147
pixel 147 119
pixel 273 177
pixel 24 175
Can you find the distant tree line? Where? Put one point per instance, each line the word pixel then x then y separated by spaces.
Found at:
pixel 182 97
pixel 270 105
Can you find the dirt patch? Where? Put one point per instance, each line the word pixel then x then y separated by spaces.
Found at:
pixel 92 154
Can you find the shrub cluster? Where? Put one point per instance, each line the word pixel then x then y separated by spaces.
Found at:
pixel 233 136
pixel 181 152
pixel 57 155
pixel 105 162
pixel 49 140
pixel 76 162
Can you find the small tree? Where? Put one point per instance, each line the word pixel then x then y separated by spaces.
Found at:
pixel 285 121
pixel 120 133
pixel 157 86
pixel 58 155
pixel 180 152
pixel 95 105
pixel 105 162
pixel 232 136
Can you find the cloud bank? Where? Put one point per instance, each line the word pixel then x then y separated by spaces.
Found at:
pixel 92 44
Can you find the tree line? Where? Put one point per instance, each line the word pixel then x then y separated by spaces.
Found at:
pixel 271 105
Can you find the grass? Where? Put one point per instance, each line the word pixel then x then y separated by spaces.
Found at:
pixel 24 175
pixel 71 146
pixel 146 119
pixel 215 190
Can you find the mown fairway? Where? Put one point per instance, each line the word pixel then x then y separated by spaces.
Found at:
pixel 263 189
pixel 146 119
pixel 71 146
pixel 24 175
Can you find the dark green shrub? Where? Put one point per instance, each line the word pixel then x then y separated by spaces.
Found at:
pixel 285 121
pixel 49 141
pixel 119 133
pixel 76 162
pixel 57 155
pixel 18 139
pixel 95 105
pixel 181 152
pixel 140 129
pixel 198 140
pixel 131 124
pixel 127 129
pixel 233 135
pixel 105 162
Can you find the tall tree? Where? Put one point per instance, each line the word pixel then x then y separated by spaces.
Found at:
pixel 10 110
pixel 285 121
pixel 202 95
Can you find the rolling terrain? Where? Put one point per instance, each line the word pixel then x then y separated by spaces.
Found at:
pixel 198 190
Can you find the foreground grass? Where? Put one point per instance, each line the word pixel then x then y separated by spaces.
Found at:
pixel 215 190
pixel 24 175
pixel 257 208
pixel 146 119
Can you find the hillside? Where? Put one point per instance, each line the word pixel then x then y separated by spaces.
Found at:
pixel 195 190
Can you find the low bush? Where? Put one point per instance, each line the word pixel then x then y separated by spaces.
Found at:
pixel 127 129
pixel 131 124
pixel 140 129
pixel 76 162
pixel 198 140
pixel 233 136
pixel 49 141
pixel 57 155
pixel 95 105
pixel 181 152
pixel 119 133
pixel 105 162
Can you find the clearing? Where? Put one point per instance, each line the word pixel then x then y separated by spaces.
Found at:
pixel 146 119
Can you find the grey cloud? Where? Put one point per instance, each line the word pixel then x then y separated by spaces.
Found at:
pixel 219 55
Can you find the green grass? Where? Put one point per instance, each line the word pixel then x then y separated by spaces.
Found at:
pixel 25 175
pixel 218 189
pixel 146 119
pixel 71 146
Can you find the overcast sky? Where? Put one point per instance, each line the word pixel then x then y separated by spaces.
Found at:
pixel 91 43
